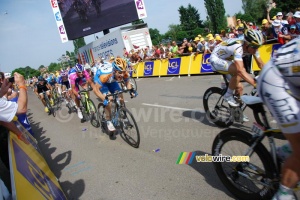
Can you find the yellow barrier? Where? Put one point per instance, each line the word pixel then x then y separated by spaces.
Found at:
pixel 194 64
pixel 30 175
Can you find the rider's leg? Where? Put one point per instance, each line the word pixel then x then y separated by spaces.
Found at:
pixel 42 99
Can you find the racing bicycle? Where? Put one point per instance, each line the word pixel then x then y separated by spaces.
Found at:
pixel 51 109
pixel 260 177
pixel 88 108
pixel 122 119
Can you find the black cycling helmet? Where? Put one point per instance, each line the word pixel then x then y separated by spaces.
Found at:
pixel 40 78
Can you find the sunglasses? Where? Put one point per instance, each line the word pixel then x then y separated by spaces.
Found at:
pixel 253 46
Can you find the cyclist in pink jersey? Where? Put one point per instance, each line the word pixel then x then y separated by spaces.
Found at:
pixel 80 77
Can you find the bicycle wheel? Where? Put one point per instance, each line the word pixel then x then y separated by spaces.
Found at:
pixel 216 109
pixel 101 115
pixel 133 83
pixel 130 131
pixel 93 112
pixel 259 119
pixel 245 180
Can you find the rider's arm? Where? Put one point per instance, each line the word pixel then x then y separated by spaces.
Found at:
pixel 36 91
pixel 258 60
pixel 241 72
pixel 97 92
pixel 74 90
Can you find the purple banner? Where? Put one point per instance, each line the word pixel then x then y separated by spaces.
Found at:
pixel 174 66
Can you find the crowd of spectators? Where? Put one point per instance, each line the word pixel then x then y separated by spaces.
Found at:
pixel 273 30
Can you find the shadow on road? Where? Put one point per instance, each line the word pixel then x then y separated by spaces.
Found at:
pixel 57 164
pixel 206 169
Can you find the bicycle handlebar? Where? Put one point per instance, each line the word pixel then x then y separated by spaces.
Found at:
pixel 116 93
pixel 84 91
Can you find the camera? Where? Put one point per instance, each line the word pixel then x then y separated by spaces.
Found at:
pixel 11 79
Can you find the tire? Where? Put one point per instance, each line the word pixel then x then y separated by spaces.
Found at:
pixel 127 126
pixel 133 83
pixel 102 117
pixel 94 117
pixel 219 114
pixel 259 119
pixel 223 144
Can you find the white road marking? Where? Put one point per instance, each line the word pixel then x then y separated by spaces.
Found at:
pixel 170 107
pixel 170 79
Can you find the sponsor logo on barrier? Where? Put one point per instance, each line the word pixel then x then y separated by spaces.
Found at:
pixel 54 3
pixel 205 65
pixel 35 175
pixel 148 70
pixel 57 16
pixel 174 66
pixel 275 48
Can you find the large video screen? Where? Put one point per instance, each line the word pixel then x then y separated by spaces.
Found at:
pixel 85 17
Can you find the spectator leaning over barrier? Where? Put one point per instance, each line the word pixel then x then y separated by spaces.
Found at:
pixel 198 45
pixel 9 109
pixel 293 32
pixel 174 50
pixel 281 32
pixel 211 44
pixel 290 19
pixel 218 39
pixel 240 34
pixel 266 30
pixel 232 33
pixel 297 19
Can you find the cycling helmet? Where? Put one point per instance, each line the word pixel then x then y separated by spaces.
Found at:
pixel 254 37
pixel 78 68
pixel 119 64
pixel 40 78
pixel 63 73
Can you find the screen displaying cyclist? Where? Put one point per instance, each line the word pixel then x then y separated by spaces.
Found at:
pixel 227 58
pixel 279 88
pixel 42 86
pixel 79 77
pixel 106 80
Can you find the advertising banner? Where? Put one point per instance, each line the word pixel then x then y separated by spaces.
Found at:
pixel 174 66
pixel 59 22
pixel 275 47
pixel 140 8
pixel 30 175
pixel 148 69
pixel 205 65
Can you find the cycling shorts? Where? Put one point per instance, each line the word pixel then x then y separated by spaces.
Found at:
pixel 219 65
pixel 110 87
pixel 273 90
pixel 66 83
pixel 47 92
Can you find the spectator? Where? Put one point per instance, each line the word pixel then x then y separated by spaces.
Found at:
pixel 125 53
pixel 279 17
pixel 211 44
pixel 297 19
pixel 218 39
pixel 147 54
pixel 293 32
pixel 239 24
pixel 290 19
pixel 232 33
pixel 250 25
pixel 267 30
pixel 240 34
pixel 223 35
pixel 183 48
pixel 281 32
pixel 198 45
pixel 174 50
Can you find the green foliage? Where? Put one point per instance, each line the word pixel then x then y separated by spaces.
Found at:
pixel 189 18
pixel 139 21
pixel 54 67
pixel 244 17
pixel 27 72
pixel 255 9
pixel 78 43
pixel 155 36
pixel 287 5
pixel 216 12
pixel 41 67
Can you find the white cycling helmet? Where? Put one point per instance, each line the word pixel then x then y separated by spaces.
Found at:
pixel 254 37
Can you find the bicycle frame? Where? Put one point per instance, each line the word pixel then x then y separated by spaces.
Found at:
pixel 84 102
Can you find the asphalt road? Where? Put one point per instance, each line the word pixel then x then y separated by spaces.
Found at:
pixel 170 116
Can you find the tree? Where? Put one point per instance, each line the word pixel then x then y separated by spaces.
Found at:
pixel 78 43
pixel 287 5
pixel 256 9
pixel 244 17
pixel 139 21
pixel 155 36
pixel 173 32
pixel 27 72
pixel 41 67
pixel 189 18
pixel 216 12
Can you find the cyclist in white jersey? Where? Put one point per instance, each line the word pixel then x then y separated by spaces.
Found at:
pixel 227 58
pixel 279 88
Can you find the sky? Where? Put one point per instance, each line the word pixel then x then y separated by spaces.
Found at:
pixel 29 35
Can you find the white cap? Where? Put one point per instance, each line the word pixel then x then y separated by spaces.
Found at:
pixel 297 14
pixel 87 66
pixel 276 22
pixel 279 13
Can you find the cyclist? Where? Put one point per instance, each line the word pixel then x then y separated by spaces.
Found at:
pixel 106 80
pixel 64 81
pixel 79 77
pixel 42 86
pixel 279 88
pixel 234 49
